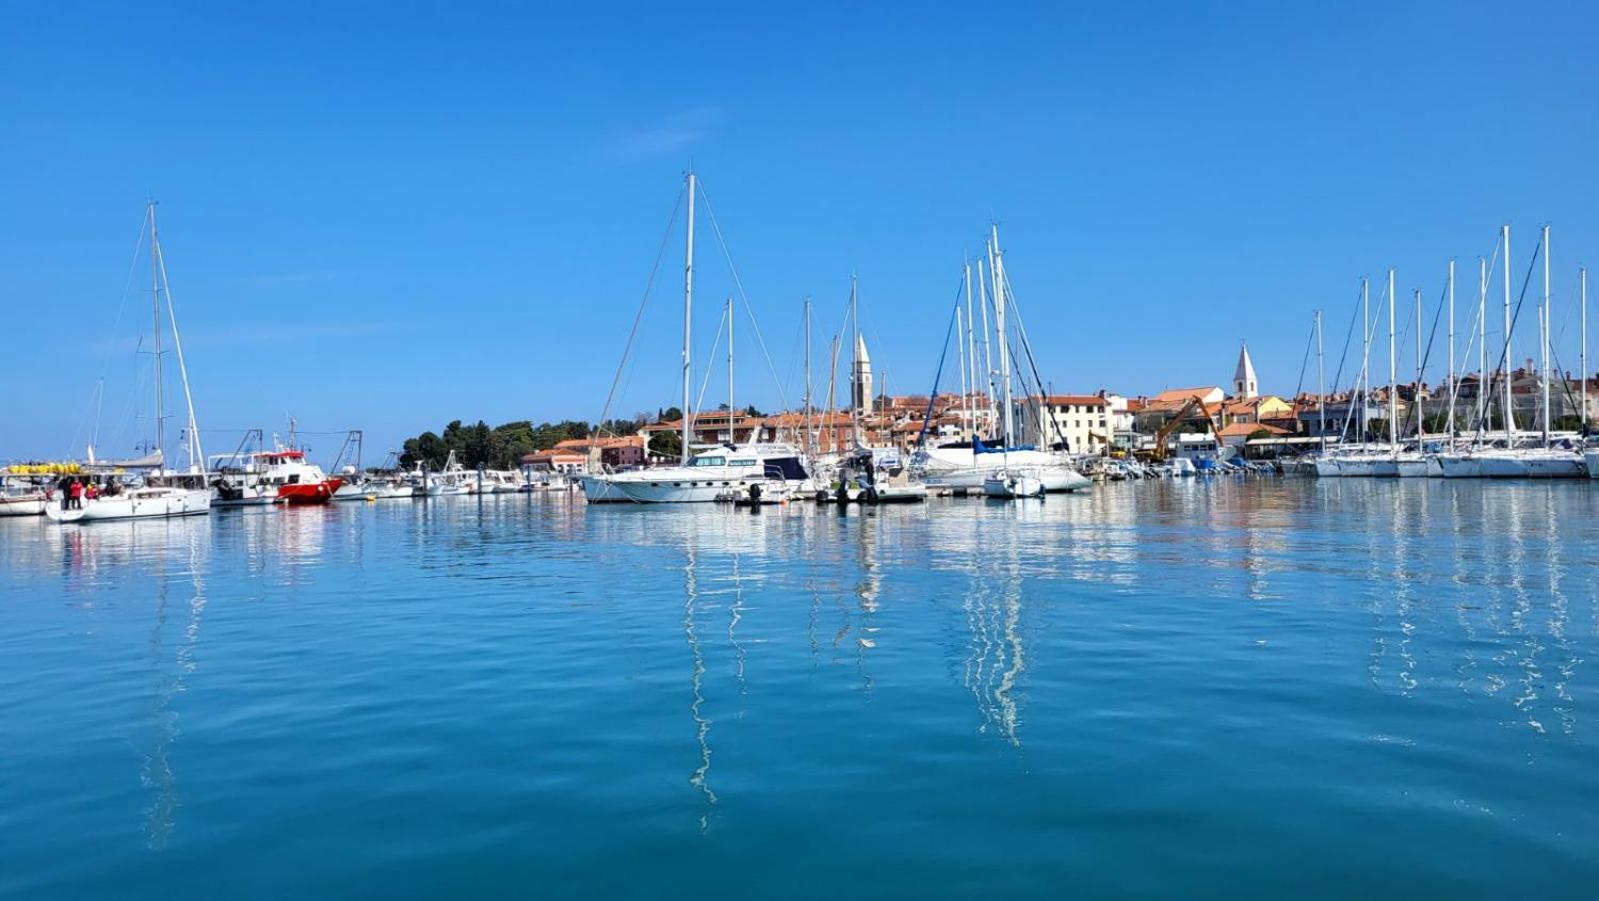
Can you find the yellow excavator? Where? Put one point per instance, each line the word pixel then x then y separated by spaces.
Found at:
pixel 1158 453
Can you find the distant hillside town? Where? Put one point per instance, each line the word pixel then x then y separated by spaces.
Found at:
pixel 1195 421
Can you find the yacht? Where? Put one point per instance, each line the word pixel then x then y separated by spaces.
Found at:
pixel 708 474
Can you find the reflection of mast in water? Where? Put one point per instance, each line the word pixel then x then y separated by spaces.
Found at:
pixel 997 658
pixel 697 678
pixel 735 613
pixel 1559 616
pixel 867 591
pixel 1402 597
pixel 1521 608
pixel 1468 667
pixel 157 771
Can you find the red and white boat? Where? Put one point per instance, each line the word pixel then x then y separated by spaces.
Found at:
pixel 279 476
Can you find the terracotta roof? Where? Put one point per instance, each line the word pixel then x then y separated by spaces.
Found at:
pixel 1059 400
pixel 1182 394
pixel 1244 429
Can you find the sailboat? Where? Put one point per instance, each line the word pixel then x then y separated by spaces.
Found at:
pixel 164 492
pixel 1539 459
pixel 1009 481
pixel 713 471
pixel 971 465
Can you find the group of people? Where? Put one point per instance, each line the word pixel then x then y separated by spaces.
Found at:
pixel 76 489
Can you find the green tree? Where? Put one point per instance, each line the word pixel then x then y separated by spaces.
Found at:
pixel 666 444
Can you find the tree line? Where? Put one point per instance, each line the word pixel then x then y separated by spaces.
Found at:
pixel 503 446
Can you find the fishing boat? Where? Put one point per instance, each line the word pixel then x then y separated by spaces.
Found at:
pixel 164 493
pixel 296 480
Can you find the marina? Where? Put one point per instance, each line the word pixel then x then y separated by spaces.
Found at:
pixel 759 452
pixel 1218 679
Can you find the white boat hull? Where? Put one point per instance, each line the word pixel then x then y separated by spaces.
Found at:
pixel 135 505
pixel 22 505
pixel 1018 486
pixel 1059 479
pixel 1590 461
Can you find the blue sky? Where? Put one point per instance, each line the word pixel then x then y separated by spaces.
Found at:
pixel 385 216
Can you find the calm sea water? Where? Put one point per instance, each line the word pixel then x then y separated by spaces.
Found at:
pixel 1245 688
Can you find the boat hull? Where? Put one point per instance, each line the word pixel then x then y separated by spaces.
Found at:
pixel 1008 487
pixel 137 505
pixel 1058 480
pixel 306 494
pixel 25 505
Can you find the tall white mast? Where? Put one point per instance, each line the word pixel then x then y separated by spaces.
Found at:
pixel 1321 387
pixel 732 427
pixel 988 357
pixel 857 386
pixel 996 271
pixel 1582 276
pixel 1415 391
pixel 1509 409
pixel 192 444
pixel 1393 370
pixel 688 320
pixel 1365 352
pixel 810 438
pixel 971 351
pixel 155 313
pixel 1543 337
pixel 1454 383
pixel 960 339
pixel 1482 344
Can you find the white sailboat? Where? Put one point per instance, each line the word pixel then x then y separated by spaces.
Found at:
pixel 969 466
pixel 164 492
pixel 704 476
pixel 1010 480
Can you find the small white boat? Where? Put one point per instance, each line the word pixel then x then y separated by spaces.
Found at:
pixel 20 498
pixel 1011 484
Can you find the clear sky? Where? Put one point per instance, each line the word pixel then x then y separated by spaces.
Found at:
pixel 389 215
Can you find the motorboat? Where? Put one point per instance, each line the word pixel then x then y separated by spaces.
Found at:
pixel 707 474
pixel 279 476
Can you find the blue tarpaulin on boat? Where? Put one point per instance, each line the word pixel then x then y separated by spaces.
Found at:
pixel 978 447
